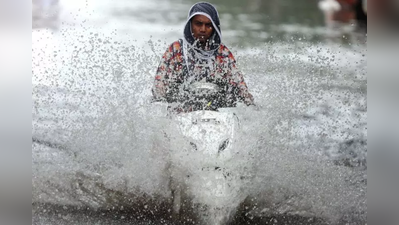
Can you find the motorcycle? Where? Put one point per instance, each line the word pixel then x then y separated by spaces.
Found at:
pixel 204 158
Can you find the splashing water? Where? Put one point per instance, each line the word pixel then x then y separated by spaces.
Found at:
pixel 95 132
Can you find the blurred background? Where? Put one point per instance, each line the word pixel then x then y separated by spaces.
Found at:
pixel 245 22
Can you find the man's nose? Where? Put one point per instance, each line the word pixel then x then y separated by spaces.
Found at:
pixel 203 28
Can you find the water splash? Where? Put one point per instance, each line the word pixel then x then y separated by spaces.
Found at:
pixel 93 108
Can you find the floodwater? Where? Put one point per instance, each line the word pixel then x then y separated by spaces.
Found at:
pixel 93 126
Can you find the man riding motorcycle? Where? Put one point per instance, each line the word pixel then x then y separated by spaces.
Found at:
pixel 200 56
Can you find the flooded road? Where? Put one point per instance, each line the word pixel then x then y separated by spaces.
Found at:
pixel 93 124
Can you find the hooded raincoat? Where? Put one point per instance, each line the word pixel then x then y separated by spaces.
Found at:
pixel 184 63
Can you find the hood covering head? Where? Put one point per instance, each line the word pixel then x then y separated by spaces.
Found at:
pixel 208 10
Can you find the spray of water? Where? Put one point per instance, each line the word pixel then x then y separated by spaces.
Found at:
pixel 98 142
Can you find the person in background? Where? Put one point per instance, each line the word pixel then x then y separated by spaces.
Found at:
pixel 344 11
pixel 200 56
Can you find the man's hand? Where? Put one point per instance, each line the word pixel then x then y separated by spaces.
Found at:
pixel 159 91
pixel 249 99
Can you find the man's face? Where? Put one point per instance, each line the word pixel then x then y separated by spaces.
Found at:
pixel 201 27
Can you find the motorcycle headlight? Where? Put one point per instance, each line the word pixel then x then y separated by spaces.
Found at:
pixel 224 145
